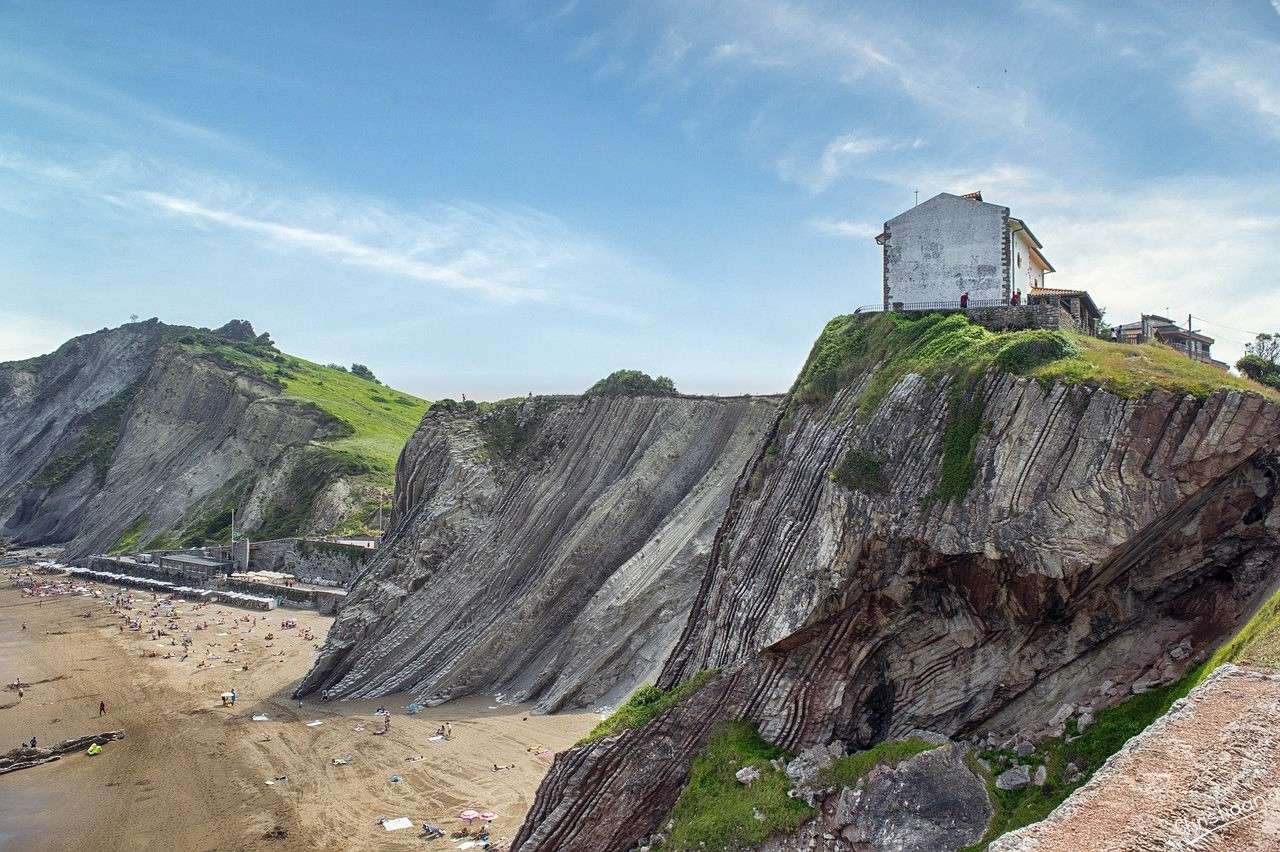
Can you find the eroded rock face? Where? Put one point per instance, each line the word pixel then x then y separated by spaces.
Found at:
pixel 1103 539
pixel 550 557
pixel 931 802
pixel 180 427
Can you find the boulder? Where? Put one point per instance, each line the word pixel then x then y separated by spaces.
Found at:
pixel 1014 778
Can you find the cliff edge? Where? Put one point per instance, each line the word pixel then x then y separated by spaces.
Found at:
pixel 953 530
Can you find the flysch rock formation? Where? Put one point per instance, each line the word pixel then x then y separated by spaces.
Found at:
pixel 176 428
pixel 1105 545
pixel 556 567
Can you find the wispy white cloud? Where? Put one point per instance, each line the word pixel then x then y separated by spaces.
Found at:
pixel 507 254
pixel 34 84
pixel 1242 83
pixel 846 229
pixel 1189 245
pixel 819 41
pixel 347 250
pixel 842 156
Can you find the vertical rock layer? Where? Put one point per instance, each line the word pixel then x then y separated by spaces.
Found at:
pixel 548 552
pixel 1105 544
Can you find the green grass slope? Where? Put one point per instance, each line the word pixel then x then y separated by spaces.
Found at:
pixel 376 421
pixel 380 419
pixel 885 347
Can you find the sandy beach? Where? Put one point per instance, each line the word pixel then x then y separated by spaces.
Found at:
pixel 192 774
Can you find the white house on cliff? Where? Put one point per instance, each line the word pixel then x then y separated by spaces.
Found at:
pixel 951 245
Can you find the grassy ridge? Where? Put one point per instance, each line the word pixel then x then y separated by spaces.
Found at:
pixel 1132 370
pixel 883 348
pixel 380 419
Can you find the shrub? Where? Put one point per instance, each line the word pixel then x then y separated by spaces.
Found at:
pixel 1260 370
pixel 363 372
pixel 859 471
pixel 645 705
pixel 632 383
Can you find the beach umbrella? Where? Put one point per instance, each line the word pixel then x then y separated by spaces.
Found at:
pixel 469 815
pixel 488 816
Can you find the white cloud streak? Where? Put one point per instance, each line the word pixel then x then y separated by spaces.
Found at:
pixel 846 229
pixel 35 85
pixel 343 248
pixel 503 254
pixel 1244 83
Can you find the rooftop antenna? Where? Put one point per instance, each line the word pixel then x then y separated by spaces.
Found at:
pixel 917 204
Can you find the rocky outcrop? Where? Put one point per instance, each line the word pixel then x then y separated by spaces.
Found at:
pixel 1103 539
pixel 928 802
pixel 547 551
pixel 127 431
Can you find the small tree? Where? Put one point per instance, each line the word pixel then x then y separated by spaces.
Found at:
pixel 1266 347
pixel 363 372
pixel 1261 361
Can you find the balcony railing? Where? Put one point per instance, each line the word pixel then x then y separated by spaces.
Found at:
pixel 953 305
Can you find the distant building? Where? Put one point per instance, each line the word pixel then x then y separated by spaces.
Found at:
pixel 954 244
pixel 1153 328
pixel 1077 307
pixel 194 567
pixel 369 542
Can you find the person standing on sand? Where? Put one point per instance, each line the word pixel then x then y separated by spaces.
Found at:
pixel 102 709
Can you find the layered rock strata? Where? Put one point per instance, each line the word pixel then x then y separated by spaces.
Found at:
pixel 125 431
pixel 548 553
pixel 1105 545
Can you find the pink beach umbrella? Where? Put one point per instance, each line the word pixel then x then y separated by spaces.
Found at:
pixel 469 815
pixel 488 816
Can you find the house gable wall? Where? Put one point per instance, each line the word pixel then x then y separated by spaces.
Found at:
pixel 944 247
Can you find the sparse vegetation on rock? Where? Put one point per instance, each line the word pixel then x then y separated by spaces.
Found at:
pixel 716 811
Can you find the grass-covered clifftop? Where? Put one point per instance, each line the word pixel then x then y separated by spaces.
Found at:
pixel 894 344
pixel 380 419
pixel 882 348
pixel 374 421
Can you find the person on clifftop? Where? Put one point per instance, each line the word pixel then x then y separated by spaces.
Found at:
pixel 964 300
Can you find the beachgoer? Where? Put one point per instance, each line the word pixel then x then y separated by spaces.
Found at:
pixel 448 730
pixel 102 708
pixel 33 742
pixel 233 696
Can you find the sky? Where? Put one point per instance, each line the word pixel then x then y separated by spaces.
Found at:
pixel 495 198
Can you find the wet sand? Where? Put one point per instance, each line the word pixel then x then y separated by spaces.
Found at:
pixel 191 773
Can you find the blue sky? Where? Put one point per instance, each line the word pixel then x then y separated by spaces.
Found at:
pixel 496 198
